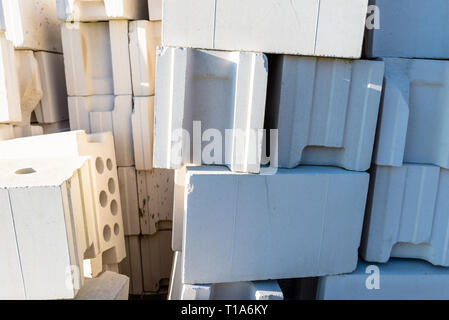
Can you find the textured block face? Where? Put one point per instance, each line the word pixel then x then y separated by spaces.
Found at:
pixel 414 121
pixel 259 290
pixel 30 87
pixel 321 28
pixel 96 58
pixel 408 207
pixel 132 265
pixel 406 30
pixel 156 260
pixel 32 25
pixel 130 205
pixel 143 131
pixel 318 211
pixel 53 106
pixel 325 110
pixel 10 111
pixel 108 286
pixel 155 189
pixel 98 114
pixel 220 94
pixel 144 38
pixel 90 11
pixel 399 280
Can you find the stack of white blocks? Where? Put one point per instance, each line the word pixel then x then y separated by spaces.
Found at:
pixel 408 208
pixel 109 54
pixel 33 92
pixel 242 223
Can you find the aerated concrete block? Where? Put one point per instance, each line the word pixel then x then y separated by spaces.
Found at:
pixel 96 114
pixel 332 28
pixel 259 290
pixel 142 132
pixel 317 210
pixel 132 265
pixel 32 25
pixel 10 111
pixel 156 193
pixel 42 210
pixel 406 31
pixel 107 287
pixel 103 10
pixel 96 58
pixel 53 106
pixel 325 110
pixel 407 214
pixel 221 94
pixel 414 120
pixel 127 177
pixel 144 38
pixel 157 258
pixel 104 222
pixel 399 279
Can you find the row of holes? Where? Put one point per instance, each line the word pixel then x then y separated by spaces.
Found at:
pixel 113 206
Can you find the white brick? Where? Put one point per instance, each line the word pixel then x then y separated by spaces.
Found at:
pixel 414 122
pixel 406 31
pixel 223 90
pixel 10 111
pixel 53 106
pixel 156 259
pixel 127 178
pixel 325 110
pixel 407 214
pixel 260 290
pixel 399 280
pixel 105 113
pixel 96 58
pixel 317 210
pixel 44 199
pixel 132 265
pixel 155 189
pixel 144 38
pixel 103 10
pixel 143 131
pixel 105 232
pixel 30 87
pixel 108 286
pixel 32 25
pixel 320 28
pixel 155 8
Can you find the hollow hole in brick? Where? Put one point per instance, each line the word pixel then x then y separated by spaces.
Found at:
pixel 109 164
pixel 111 186
pixel 103 199
pixel 114 207
pixel 116 229
pixel 107 233
pixel 99 164
pixel 25 171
